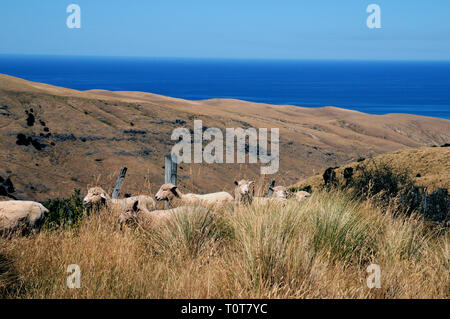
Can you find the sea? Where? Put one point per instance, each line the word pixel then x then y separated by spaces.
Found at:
pixel 375 87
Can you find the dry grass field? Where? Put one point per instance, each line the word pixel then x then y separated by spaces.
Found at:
pixel 320 248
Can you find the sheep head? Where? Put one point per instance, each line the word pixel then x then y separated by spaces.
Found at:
pixel 167 192
pixel 302 195
pixel 279 192
pixel 95 196
pixel 129 214
pixel 244 190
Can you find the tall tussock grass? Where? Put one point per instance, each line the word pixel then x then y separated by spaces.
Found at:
pixel 265 238
pixel 319 248
pixel 191 233
pixel 340 229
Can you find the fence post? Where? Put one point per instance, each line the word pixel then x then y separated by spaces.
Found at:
pixel 120 179
pixel 425 199
pixel 271 185
pixel 170 173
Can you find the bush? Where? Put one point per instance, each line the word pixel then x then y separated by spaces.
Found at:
pixel 380 180
pixel 65 212
pixel 389 186
pixel 433 207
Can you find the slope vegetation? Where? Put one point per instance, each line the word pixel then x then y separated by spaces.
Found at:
pixel 55 139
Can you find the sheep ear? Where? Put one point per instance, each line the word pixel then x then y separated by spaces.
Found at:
pixel 135 206
pixel 102 195
pixel 174 191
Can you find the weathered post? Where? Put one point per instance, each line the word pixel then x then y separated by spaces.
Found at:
pixel 425 199
pixel 170 173
pixel 271 185
pixel 120 179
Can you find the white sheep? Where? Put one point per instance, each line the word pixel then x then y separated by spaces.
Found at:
pixel 172 194
pixel 97 197
pixel 244 194
pixel 301 196
pixel 278 192
pixel 138 215
pixel 16 215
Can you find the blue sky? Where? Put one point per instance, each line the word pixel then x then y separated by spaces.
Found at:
pixel 282 29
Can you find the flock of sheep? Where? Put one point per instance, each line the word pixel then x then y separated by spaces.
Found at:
pixel 28 215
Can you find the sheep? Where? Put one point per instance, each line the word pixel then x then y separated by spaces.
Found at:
pixel 97 197
pixel 243 192
pixel 301 196
pixel 138 215
pixel 172 194
pixel 25 215
pixel 278 192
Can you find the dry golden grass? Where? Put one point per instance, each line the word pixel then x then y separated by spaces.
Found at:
pixel 429 166
pixel 318 249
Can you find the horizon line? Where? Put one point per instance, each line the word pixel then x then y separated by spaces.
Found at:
pixel 223 58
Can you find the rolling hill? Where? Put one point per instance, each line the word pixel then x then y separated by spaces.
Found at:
pixel 429 166
pixel 55 139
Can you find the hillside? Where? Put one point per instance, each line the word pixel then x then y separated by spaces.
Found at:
pixel 71 139
pixel 430 167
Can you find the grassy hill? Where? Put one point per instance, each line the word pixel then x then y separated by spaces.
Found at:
pixel 69 139
pixel 429 166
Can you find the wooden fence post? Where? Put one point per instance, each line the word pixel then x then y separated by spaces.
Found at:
pixel 120 179
pixel 425 198
pixel 271 185
pixel 170 173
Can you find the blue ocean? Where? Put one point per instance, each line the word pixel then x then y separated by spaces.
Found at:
pixel 421 88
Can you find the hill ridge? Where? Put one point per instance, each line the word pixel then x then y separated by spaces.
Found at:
pixel 94 133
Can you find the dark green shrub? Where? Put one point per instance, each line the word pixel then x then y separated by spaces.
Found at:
pixel 65 212
pixel 433 207
pixel 380 180
pixel 395 186
pixel 437 206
